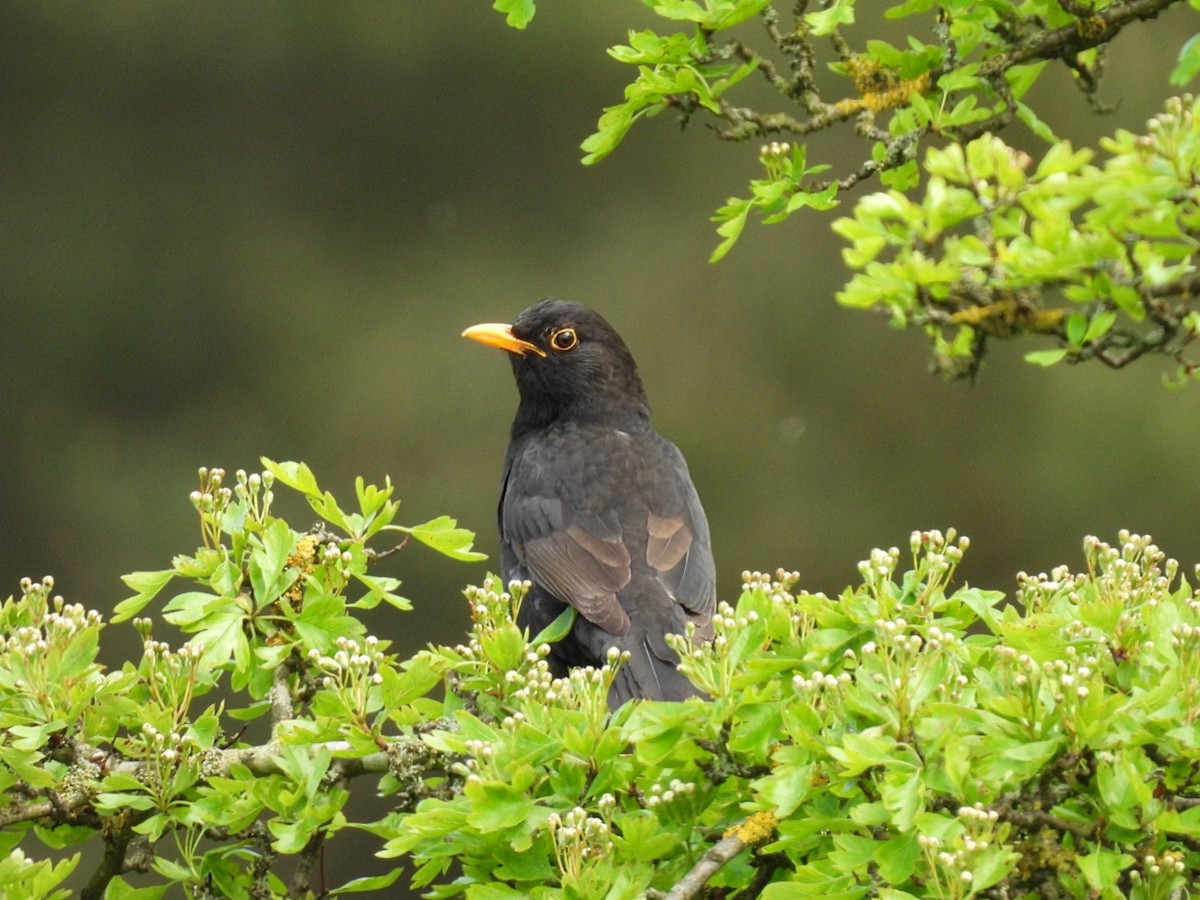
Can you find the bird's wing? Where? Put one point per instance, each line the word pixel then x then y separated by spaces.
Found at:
pixel 678 546
pixel 576 555
pixel 561 524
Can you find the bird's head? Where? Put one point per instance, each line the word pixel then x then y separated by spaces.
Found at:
pixel 568 361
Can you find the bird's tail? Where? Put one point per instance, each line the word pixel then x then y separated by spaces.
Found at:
pixel 651 672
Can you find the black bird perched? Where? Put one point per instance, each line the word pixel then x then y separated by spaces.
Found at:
pixel 597 510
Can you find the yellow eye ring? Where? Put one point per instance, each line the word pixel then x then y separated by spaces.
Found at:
pixel 564 339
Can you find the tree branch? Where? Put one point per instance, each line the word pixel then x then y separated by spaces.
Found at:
pixel 753 831
pixel 1098 28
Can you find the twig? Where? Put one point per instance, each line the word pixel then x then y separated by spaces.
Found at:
pixel 310 859
pixel 1072 39
pixel 753 831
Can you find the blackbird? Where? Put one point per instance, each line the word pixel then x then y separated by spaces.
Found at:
pixel 597 510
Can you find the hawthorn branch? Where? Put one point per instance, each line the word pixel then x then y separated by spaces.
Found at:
pixel 409 758
pixel 1084 34
pixel 753 831
pixel 1037 818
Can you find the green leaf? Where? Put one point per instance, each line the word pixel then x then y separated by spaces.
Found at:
pixel 1188 63
pixel 897 857
pixel 1046 357
pixel 417 680
pixel 904 798
pixel 732 217
pixel 826 21
pixel 1100 324
pixel 494 891
pixel 119 889
pixel 300 478
pixel 1021 78
pixel 381 587
pixel 558 629
pixel 1103 868
pixel 1076 326
pixel 1034 124
pixel 616 121
pixel 444 536
pixel 147 585
pixel 518 14
pixel 496 806
pixel 295 475
pixel 267 563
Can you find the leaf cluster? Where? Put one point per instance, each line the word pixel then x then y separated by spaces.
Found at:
pixel 145 755
pixel 1061 235
pixel 899 741
pixel 910 738
pixel 1101 258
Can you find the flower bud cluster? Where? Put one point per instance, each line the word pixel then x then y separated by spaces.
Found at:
pixel 1021 672
pixel 535 682
pixel 32 650
pixel 879 567
pixel 37 589
pixel 941 550
pixel 726 623
pixel 1164 867
pixel 161 652
pixel 168 747
pixel 578 838
pixel 780 582
pixel 818 681
pixel 583 684
pixel 351 664
pixel 658 795
pixel 491 606
pixel 253 490
pixel 1185 641
pixel 1135 568
pixel 57 629
pixel 1037 592
pixel 1168 132
pixel 1072 676
pixel 907 665
pixel 779 587
pixel 777 157
pixel 950 866
pixel 212 495
pixel 953 861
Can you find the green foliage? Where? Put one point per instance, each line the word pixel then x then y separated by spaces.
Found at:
pixel 972 79
pixel 903 740
pixel 1100 258
pixel 910 738
pixel 22 878
pixel 776 197
pixel 673 71
pixel 143 754
pixel 991 250
pixel 517 13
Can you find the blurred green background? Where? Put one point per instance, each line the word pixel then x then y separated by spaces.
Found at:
pixel 237 229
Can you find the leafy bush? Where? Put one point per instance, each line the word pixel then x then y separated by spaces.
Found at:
pixel 910 738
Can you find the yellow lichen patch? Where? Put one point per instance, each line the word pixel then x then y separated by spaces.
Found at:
pixel 1091 28
pixel 756 829
pixel 1008 317
pixel 879 89
pixel 304 559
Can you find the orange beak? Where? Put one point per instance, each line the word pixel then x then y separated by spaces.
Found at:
pixel 495 334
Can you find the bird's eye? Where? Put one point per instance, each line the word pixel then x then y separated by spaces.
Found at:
pixel 564 339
